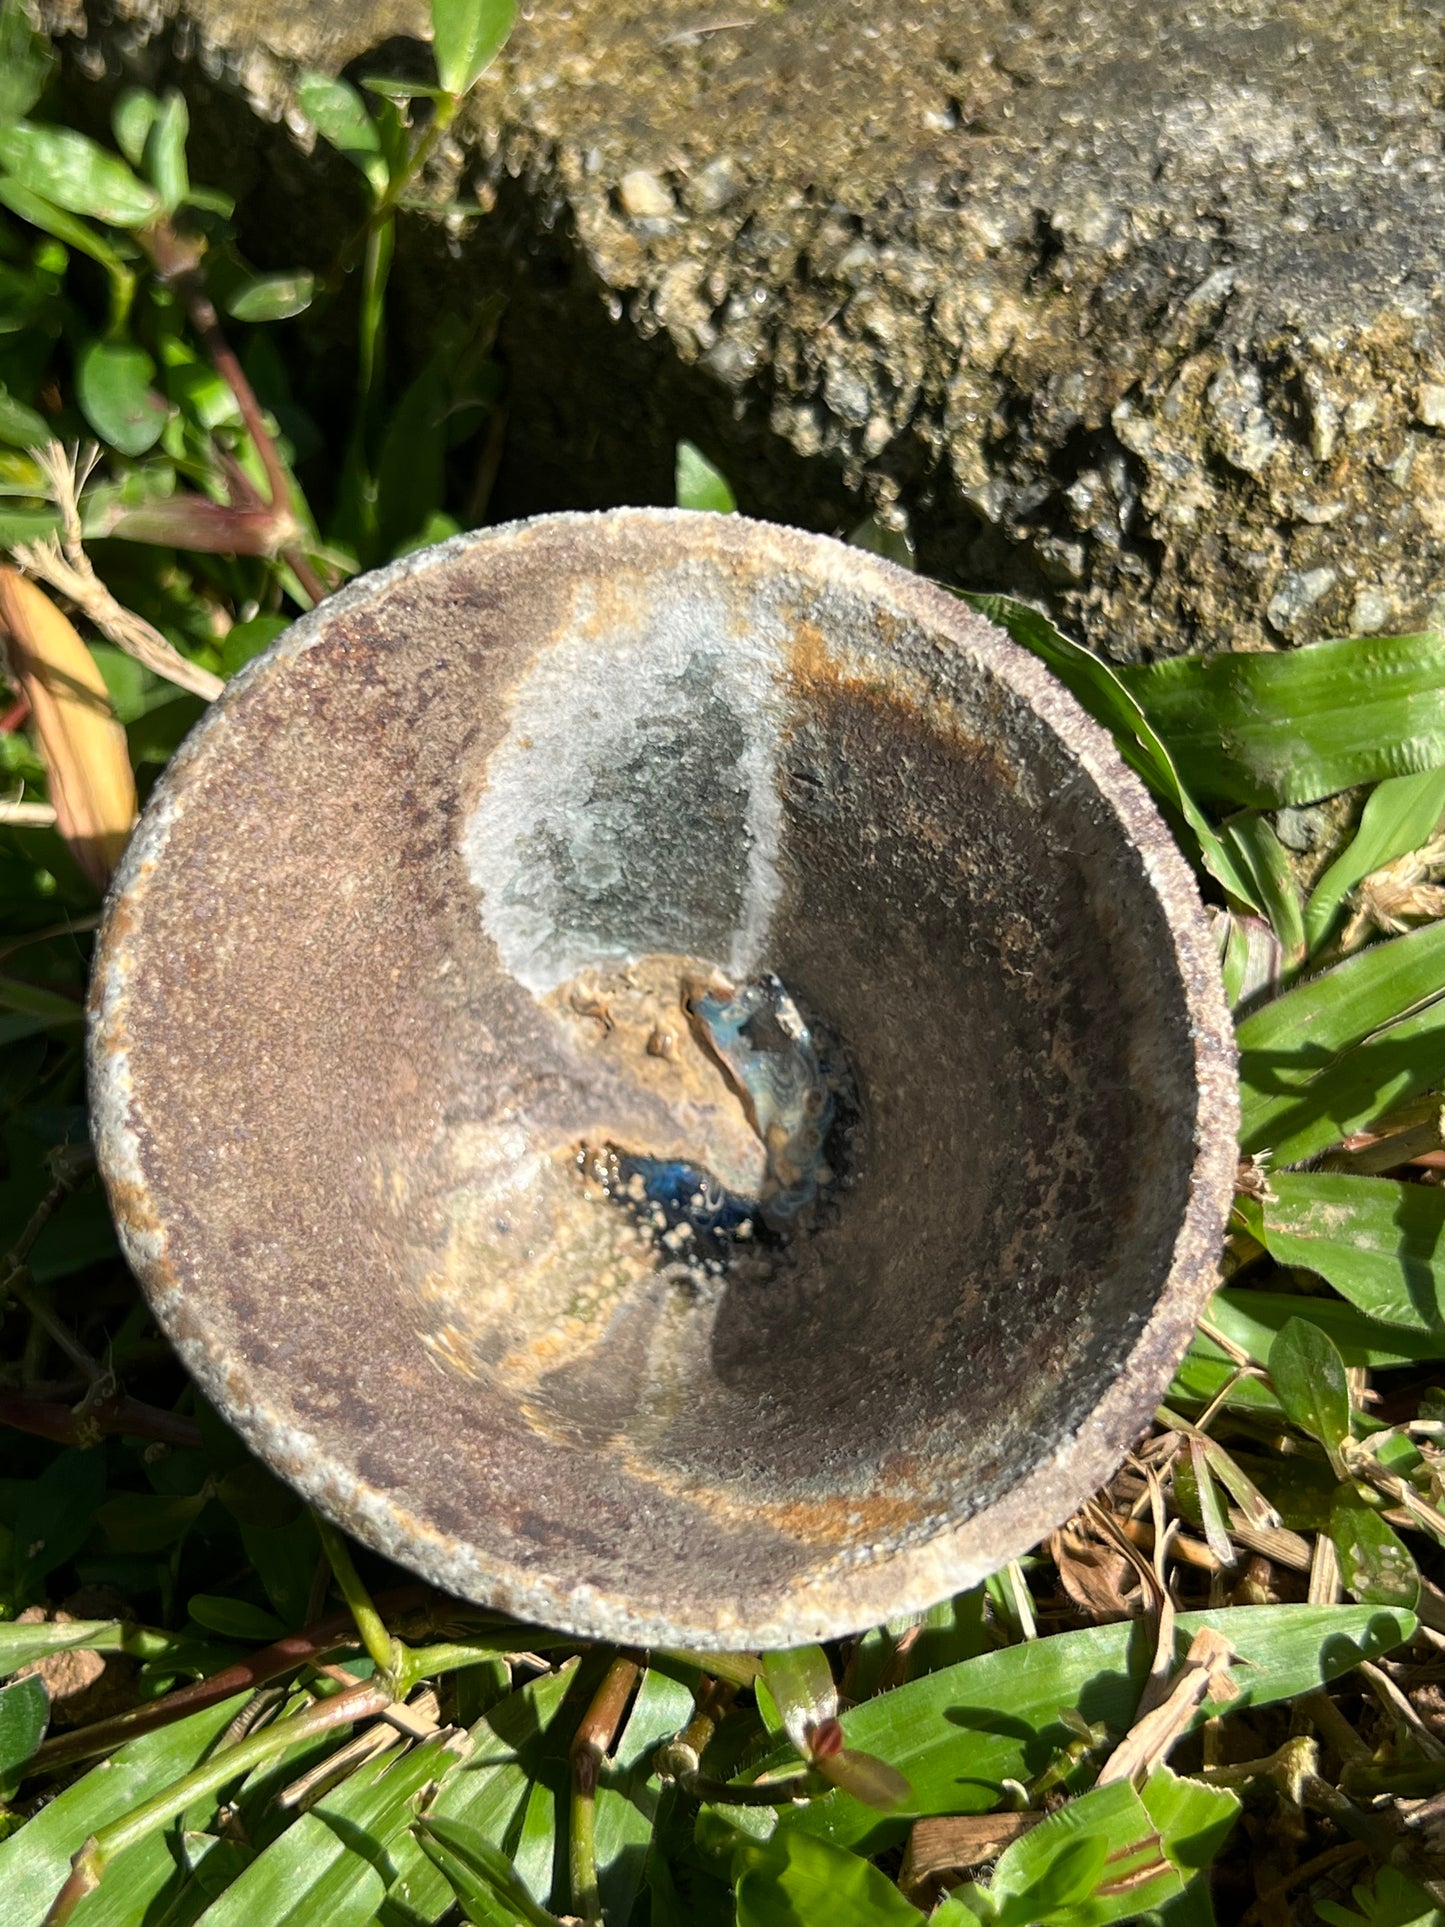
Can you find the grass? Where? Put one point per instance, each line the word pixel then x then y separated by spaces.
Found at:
pixel 1216 1692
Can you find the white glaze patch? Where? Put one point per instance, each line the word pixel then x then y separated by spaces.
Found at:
pixel 632 806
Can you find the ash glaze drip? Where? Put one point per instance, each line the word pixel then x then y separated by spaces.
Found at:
pixel 790 1094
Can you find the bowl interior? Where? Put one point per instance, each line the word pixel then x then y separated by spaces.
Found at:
pixel 407 981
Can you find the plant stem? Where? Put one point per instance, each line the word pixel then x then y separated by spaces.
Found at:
pixel 590 1748
pixel 387 1654
pixel 271 1662
pixel 90 1862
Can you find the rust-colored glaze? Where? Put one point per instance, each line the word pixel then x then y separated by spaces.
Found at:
pixel 350 1056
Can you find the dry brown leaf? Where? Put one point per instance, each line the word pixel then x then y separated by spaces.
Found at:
pixel 1093 1574
pixel 84 747
pixel 1204 1675
pixel 943 1849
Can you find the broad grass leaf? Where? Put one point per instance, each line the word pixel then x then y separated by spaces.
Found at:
pixel 1334 1053
pixel 1100 689
pixel 1401 815
pixel 1309 1381
pixel 340 117
pixel 1375 1563
pixel 483 1879
pixel 24 1711
pixel 512 1745
pixel 626 1802
pixel 325 1865
pixel 793 1880
pixel 1098 1859
pixel 1194 1820
pixel 467 36
pixel 1271 729
pixel 35 1861
pixel 90 780
pixel 1253 1319
pixel 699 485
pixel 958 1734
pixel 1381 1244
pixel 113 388
pixel 76 174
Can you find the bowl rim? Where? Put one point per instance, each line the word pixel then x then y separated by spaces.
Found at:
pixel 850 1596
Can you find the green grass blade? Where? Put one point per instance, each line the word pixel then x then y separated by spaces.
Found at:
pixel 958 1734
pixel 1325 1058
pixel 1264 730
pixel 1258 853
pixel 35 1861
pixel 1381 1244
pixel 324 1866
pixel 1100 690
pixel 1401 815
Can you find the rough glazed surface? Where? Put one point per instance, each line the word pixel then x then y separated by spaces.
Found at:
pixel 383 966
pixel 1127 303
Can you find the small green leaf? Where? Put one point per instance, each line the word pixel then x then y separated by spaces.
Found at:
pixel 69 228
pixel 1309 1381
pixel 74 173
pixel 793 1880
pixel 883 538
pixel 25 61
pixel 1375 1563
pixel 165 151
pixel 467 36
pixel 149 1521
pixel 1393 1901
pixel 112 385
pixel 271 297
pixel 249 639
pixel 234 1618
pixel 21 427
pixel 24 1711
pixel 134 114
pixel 699 484
pixel 1402 815
pixel 341 119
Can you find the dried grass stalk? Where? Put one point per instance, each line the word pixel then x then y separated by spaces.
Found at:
pixel 84 747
